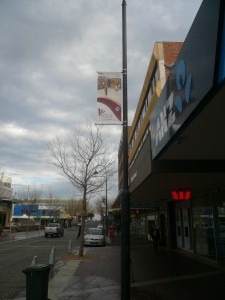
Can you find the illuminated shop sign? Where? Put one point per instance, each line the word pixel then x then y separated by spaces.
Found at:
pixel 191 78
pixel 181 195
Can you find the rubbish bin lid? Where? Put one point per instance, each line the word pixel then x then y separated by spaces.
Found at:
pixel 37 268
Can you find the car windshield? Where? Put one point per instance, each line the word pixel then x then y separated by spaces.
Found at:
pixel 52 225
pixel 94 231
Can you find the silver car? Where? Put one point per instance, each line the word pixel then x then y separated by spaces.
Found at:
pixel 94 237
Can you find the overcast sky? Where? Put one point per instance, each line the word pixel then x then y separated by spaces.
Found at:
pixel 50 52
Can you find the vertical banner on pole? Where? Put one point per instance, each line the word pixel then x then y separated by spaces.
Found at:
pixel 109 107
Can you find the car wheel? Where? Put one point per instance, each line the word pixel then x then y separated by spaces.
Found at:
pixel 46 235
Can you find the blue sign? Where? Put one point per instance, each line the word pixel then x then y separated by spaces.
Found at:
pixel 191 78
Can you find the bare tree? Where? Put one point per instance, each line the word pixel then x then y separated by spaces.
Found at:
pixel 73 207
pixel 80 158
pixel 30 197
pixel 99 209
pixel 52 203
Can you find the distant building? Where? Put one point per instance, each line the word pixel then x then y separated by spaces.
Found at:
pixel 6 193
pixel 42 211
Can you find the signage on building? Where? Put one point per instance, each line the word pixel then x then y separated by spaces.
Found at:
pixel 181 195
pixel 191 78
pixel 109 103
pixel 176 103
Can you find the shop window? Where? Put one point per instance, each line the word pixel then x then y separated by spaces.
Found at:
pixel 150 94
pixel 203 228
pixel 221 225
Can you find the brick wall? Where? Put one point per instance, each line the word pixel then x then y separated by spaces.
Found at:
pixel 171 51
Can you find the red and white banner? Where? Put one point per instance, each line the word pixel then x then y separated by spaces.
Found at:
pixel 109 108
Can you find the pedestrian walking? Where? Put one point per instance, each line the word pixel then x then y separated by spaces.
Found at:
pixel 79 231
pixel 155 237
pixel 111 231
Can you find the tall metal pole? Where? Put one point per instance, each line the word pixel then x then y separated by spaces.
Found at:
pixel 125 197
pixel 106 204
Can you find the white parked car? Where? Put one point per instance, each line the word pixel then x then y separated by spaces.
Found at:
pixel 54 229
pixel 94 237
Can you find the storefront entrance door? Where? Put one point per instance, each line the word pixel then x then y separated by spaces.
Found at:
pixel 183 227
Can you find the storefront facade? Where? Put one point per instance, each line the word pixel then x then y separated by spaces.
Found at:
pixel 199 225
pixel 184 149
pixel 198 88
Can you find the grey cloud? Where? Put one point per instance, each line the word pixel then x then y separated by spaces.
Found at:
pixel 50 52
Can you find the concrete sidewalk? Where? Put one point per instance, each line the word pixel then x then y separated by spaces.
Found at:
pixel 174 275
pixel 8 237
pixel 95 276
pixel 165 274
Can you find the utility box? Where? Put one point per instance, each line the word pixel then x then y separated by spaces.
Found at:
pixel 37 282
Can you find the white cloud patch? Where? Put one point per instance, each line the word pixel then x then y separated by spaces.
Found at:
pixel 14 131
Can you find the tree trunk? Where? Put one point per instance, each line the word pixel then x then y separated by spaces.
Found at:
pixel 81 250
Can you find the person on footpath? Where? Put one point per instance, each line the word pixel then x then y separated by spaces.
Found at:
pixel 111 232
pixel 155 237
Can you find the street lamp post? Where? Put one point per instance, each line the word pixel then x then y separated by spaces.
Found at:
pixel 125 196
pixel 106 203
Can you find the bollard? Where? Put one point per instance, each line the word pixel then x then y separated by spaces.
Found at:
pixel 52 258
pixel 37 282
pixel 70 246
pixel 33 263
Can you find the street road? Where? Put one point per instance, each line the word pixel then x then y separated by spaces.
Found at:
pixel 16 255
